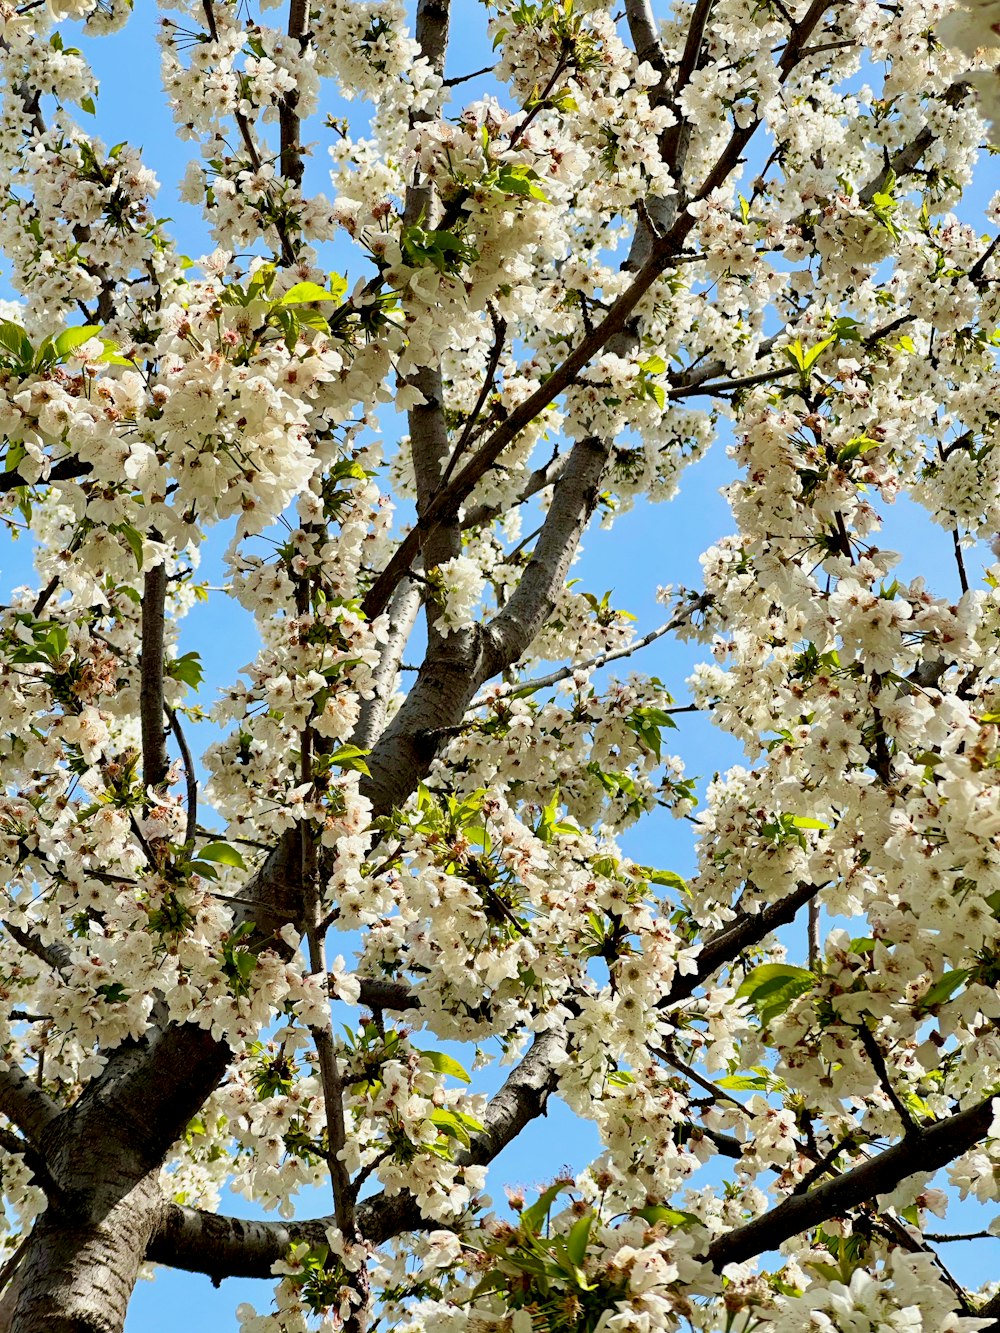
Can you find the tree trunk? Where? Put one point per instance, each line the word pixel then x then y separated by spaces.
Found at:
pixel 82 1262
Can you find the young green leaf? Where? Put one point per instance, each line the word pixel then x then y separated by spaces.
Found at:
pixel 222 853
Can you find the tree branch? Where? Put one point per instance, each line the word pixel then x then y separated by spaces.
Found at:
pixel 26 1105
pixel 403 610
pixel 727 944
pixel 231 1247
pixel 151 706
pixel 289 121
pixel 925 1151
pixel 511 630
pixel 642 28
pixel 66 469
pixel 520 689
pixel 33 1160
pixel 190 776
pixel 867 1039
pixel 54 955
pixel 899 164
pixel 446 502
pixel 394 995
pixel 536 481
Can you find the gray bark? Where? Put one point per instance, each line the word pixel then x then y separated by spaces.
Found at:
pixel 82 1261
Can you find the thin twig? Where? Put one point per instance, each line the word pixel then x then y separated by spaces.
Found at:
pixel 190 777
pixel 719 1094
pixel 979 267
pixel 496 351
pixel 874 1053
pixel 524 688
pixel 825 1163
pixel 731 386
pixel 813 933
pixel 960 561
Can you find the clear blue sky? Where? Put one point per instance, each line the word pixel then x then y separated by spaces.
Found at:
pixel 649 546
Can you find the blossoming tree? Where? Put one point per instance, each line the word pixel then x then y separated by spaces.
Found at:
pixel 657 218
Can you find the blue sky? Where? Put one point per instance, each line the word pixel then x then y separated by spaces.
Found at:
pixel 651 545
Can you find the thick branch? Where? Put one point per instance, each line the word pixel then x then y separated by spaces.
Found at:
pixel 151 706
pixel 403 610
pixel 727 944
pixel 511 631
pixel 66 469
pixel 456 667
pixel 926 1150
pixel 54 955
pixel 447 501
pixel 675 141
pixel 433 17
pixel 392 995
pixel 289 121
pixel 25 1105
pixel 899 164
pixel 546 475
pixel 430 447
pixel 231 1247
pixel 642 28
pixel 662 250
pixel 430 444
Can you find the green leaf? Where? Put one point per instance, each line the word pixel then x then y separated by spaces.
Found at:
pixel 444 1064
pixel 813 355
pixel 17 342
pixel 222 853
pixel 576 1241
pixel 653 365
pixel 804 821
pixel 304 292
pixel 134 539
pixel 350 757
pixel 772 987
pixel 671 1217
pixel 861 444
pixel 111 357
pixel 744 1082
pixel 114 992
pixel 768 972
pixel 944 988
pixel 87 104
pixel 845 329
pixel 450 1125
pixel 665 877
pixel 516 178
pixel 802 359
pixel 70 339
pixel 312 319
pixel 187 669
pixel 533 1218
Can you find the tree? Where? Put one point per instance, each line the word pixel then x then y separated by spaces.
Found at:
pixel 652 224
